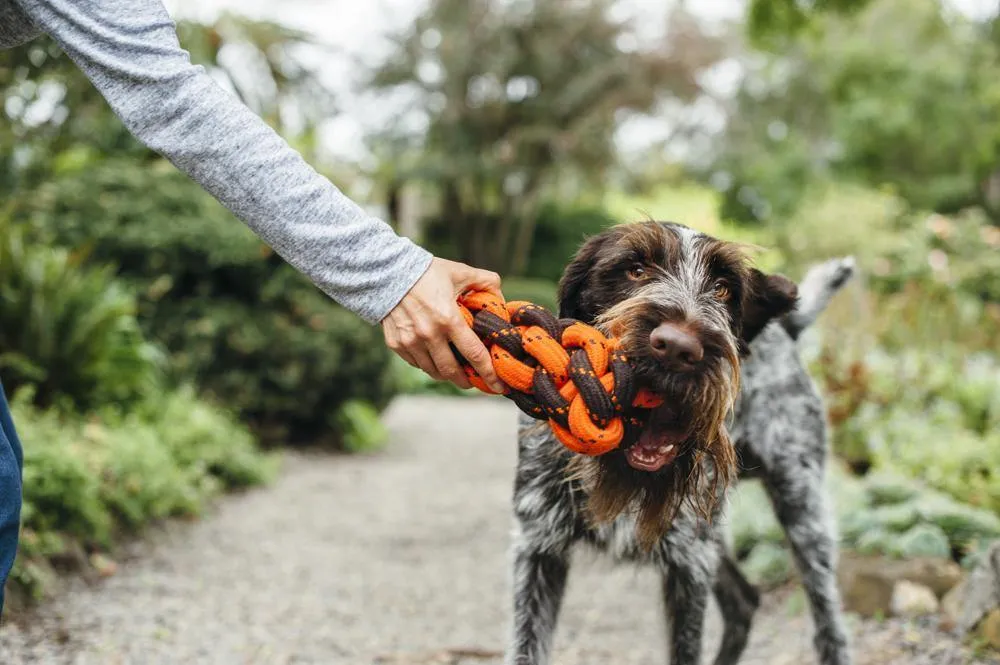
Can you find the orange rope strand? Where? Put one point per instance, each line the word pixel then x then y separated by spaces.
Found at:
pixel 559 370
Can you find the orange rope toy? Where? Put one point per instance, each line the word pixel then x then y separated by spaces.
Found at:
pixel 560 370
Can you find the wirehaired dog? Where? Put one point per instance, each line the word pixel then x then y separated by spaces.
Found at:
pixel 716 338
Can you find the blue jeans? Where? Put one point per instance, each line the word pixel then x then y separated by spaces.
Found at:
pixel 11 463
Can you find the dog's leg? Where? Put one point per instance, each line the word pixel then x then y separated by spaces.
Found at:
pixel 692 557
pixel 686 598
pixel 797 491
pixel 738 600
pixel 538 580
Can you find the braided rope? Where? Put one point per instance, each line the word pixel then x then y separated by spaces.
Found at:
pixel 559 370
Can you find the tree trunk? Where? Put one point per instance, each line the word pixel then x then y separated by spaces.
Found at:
pixel 526 231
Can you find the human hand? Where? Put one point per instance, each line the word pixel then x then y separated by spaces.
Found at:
pixel 421 326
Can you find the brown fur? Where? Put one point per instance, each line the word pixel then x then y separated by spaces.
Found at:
pixel 597 288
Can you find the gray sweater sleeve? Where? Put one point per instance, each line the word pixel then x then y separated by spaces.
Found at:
pixel 129 50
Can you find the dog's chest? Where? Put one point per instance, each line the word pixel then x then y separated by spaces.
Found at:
pixel 617 540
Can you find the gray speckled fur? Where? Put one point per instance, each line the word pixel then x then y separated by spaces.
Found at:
pixel 779 428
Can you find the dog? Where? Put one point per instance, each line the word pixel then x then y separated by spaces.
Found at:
pixel 716 338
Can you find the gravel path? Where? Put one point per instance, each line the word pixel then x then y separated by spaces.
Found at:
pixel 398 557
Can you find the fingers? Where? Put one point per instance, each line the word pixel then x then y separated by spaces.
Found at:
pixel 426 345
pixel 447 364
pixel 466 277
pixel 427 321
pixel 473 350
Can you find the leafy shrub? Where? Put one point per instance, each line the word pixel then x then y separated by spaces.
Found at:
pixel 86 482
pixel 62 491
pixel 559 232
pixel 929 415
pixel 883 514
pixel 768 565
pixel 539 291
pixel 413 381
pixel 68 330
pixel 360 426
pixel 237 321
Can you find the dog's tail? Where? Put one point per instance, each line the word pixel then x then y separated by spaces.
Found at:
pixel 816 290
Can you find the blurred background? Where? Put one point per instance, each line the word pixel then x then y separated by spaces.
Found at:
pixel 158 354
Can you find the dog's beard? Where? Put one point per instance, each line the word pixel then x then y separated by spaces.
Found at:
pixel 705 464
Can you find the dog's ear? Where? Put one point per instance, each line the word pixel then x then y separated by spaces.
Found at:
pixel 765 298
pixel 574 279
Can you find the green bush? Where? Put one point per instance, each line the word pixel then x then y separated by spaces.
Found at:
pixel 925 414
pixel 539 291
pixel 89 481
pixel 360 426
pixel 67 330
pixel 237 321
pixel 559 232
pixel 883 514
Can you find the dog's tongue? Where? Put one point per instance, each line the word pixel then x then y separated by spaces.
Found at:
pixel 658 444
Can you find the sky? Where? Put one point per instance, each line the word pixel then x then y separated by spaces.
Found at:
pixel 357 28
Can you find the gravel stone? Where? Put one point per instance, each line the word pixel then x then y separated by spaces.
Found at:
pixel 394 557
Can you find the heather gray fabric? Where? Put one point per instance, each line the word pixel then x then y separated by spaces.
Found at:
pixel 129 50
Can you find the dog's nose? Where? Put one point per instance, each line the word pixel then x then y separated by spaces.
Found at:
pixel 676 347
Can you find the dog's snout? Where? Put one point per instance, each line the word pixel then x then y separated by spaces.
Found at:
pixel 676 347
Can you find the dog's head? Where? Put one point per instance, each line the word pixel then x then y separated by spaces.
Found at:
pixel 685 307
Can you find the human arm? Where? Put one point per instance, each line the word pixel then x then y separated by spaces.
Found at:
pixel 129 50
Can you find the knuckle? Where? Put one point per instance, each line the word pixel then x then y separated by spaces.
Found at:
pixel 425 332
pixel 478 355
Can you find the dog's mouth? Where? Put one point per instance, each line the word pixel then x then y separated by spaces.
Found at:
pixel 660 441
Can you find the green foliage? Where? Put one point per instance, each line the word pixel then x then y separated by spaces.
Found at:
pixel 770 20
pixel 768 565
pixel 883 514
pixel 929 415
pixel 522 101
pixel 88 481
pixel 239 322
pixel 361 428
pixel 539 291
pixel 559 232
pixel 67 330
pixel 899 93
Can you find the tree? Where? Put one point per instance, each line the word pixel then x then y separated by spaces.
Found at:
pixel 770 19
pixel 513 98
pixel 896 94
pixel 57 117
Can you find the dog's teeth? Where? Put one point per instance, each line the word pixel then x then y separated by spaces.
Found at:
pixel 663 450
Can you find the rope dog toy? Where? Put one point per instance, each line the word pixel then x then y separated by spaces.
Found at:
pixel 559 370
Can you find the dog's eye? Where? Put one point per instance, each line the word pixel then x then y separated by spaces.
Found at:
pixel 637 272
pixel 721 290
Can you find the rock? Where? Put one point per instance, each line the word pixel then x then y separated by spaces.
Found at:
pixel 104 565
pixel 911 600
pixel 867 582
pixel 989 629
pixel 951 606
pixel 866 586
pixel 978 595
